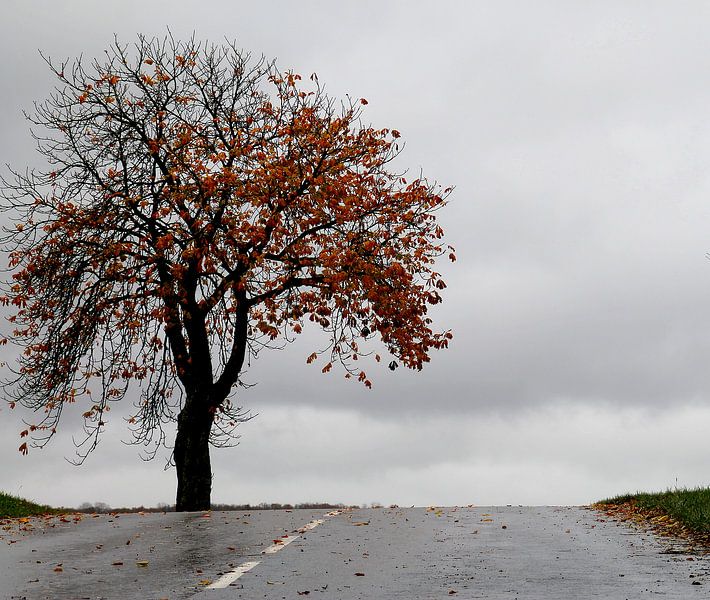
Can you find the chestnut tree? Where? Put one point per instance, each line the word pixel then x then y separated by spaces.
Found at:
pixel 199 206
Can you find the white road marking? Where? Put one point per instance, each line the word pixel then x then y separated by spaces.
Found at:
pixel 314 524
pixel 284 541
pixel 232 576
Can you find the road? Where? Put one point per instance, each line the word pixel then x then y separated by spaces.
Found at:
pixel 415 553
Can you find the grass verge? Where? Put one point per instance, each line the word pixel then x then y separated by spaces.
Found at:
pixel 13 506
pixel 680 513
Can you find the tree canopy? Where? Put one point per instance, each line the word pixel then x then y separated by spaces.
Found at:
pixel 199 206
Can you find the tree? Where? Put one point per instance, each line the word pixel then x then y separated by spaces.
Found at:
pixel 198 207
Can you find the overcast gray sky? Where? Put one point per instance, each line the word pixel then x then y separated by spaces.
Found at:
pixel 577 135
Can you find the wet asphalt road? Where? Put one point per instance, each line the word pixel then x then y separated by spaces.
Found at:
pixel 181 551
pixel 474 552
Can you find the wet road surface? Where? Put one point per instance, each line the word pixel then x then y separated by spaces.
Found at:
pixel 134 556
pixel 474 552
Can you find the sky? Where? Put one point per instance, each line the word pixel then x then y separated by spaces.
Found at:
pixel 577 136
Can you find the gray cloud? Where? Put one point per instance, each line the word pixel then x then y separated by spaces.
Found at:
pixel 558 454
pixel 578 139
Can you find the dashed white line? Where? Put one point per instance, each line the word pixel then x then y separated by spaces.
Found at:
pixel 229 578
pixel 315 523
pixel 232 576
pixel 284 541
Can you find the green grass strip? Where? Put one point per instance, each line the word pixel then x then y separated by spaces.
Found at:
pixel 13 506
pixel 691 507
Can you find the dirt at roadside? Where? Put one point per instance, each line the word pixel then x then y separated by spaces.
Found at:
pixel 682 539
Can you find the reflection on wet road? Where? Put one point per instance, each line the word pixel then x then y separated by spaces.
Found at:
pixel 147 556
pixel 468 552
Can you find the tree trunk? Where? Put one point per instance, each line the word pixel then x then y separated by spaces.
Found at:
pixel 192 457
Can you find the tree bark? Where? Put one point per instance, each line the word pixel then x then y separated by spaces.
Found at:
pixel 194 423
pixel 192 456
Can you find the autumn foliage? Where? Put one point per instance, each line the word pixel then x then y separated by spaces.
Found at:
pixel 200 206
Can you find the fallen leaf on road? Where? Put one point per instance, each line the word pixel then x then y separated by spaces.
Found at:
pixel 205 582
pixel 142 563
pixel 361 523
pixel 117 563
pixel 359 574
pixel 58 569
pixel 305 593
